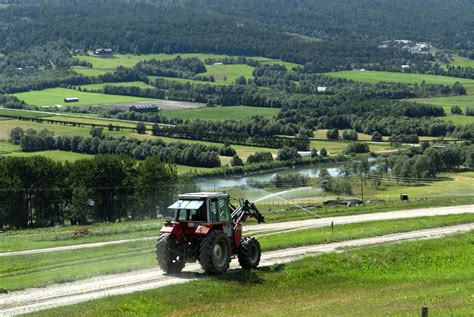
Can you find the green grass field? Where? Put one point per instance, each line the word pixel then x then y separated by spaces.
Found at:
pixel 54 155
pixel 453 185
pixel 268 61
pixel 221 113
pixel 92 72
pixel 447 103
pixel 190 81
pixel 229 73
pixel 6 147
pixel 103 65
pixel 394 279
pixel 138 84
pixel 462 61
pixel 130 60
pixel 11 112
pixel 54 96
pixel 23 271
pixel 337 147
pixel 374 77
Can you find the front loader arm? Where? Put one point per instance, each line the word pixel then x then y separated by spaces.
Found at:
pixel 244 211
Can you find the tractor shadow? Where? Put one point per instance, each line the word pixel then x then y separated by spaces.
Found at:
pixel 237 275
pixel 248 277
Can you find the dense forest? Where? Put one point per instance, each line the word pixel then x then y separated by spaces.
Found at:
pixel 232 28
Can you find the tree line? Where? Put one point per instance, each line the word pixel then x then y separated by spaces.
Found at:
pixel 198 155
pixel 38 191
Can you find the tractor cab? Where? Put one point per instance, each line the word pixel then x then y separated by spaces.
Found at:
pixel 202 207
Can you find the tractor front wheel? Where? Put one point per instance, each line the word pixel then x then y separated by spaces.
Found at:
pixel 249 253
pixel 170 258
pixel 214 252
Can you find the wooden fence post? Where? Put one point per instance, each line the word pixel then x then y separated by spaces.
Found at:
pixel 424 311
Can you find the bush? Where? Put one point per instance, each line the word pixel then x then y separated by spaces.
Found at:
pixel 227 151
pixel 377 137
pixel 349 135
pixel 260 157
pixel 141 128
pixel 469 111
pixel 357 148
pixel 456 110
pixel 236 161
pixel 288 153
pixel 332 134
pixel 15 135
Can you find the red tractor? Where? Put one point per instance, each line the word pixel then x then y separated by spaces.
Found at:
pixel 208 228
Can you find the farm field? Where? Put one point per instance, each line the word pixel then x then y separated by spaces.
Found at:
pixel 322 135
pixel 8 125
pixel 337 147
pixel 92 72
pixel 6 147
pixel 461 61
pixel 221 113
pixel 190 81
pixel 448 102
pixel 54 96
pixel 12 112
pixel 405 276
pixel 455 185
pixel 229 73
pixel 54 155
pixel 130 60
pixel 407 78
pixel 224 74
pixel 138 84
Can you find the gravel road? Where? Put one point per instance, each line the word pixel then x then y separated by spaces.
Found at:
pixel 278 227
pixel 37 299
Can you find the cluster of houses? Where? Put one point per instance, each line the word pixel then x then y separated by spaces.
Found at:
pixel 411 46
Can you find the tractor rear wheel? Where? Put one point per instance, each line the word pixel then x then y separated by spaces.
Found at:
pixel 249 253
pixel 170 258
pixel 214 252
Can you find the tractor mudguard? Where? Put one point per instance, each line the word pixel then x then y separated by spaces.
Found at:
pixel 172 228
pixel 202 230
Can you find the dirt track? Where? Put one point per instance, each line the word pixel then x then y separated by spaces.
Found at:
pixel 70 293
pixel 288 226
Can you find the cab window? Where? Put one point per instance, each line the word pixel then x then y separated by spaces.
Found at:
pixel 213 207
pixel 224 210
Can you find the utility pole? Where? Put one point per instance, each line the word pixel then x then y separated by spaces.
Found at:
pixel 362 187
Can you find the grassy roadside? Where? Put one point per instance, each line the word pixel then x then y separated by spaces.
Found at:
pixel 394 279
pixel 25 271
pixel 18 240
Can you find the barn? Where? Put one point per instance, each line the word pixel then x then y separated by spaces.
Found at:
pixel 144 108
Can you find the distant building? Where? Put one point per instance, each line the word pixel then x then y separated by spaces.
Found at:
pixel 322 89
pixel 405 66
pixel 363 69
pixel 103 52
pixel 144 108
pixel 71 99
pixel 305 153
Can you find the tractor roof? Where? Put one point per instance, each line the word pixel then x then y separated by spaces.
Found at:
pixel 202 195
